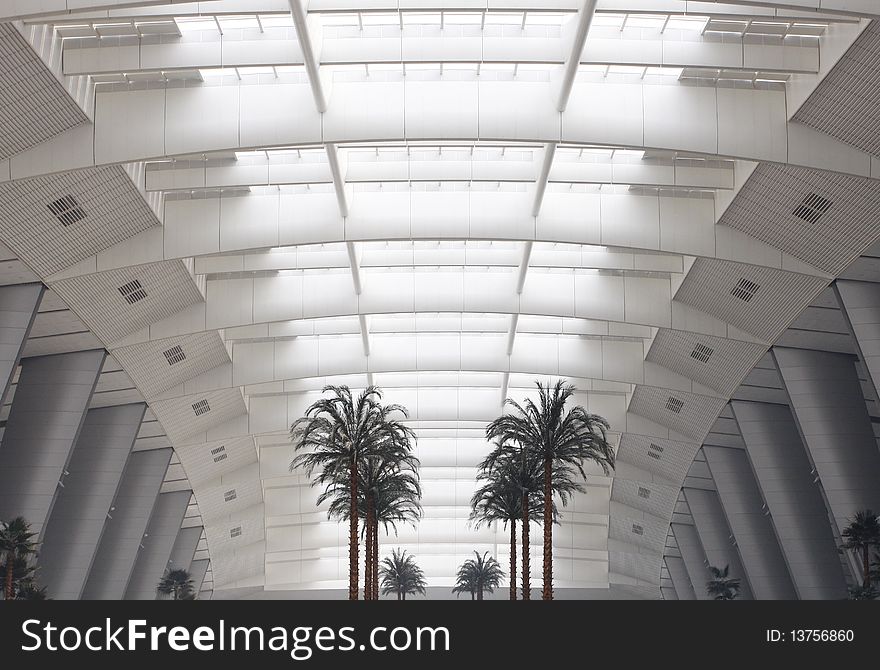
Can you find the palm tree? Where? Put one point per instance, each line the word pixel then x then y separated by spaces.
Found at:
pixel 478 575
pixel 401 575
pixel 30 591
pixel 16 542
pixel 863 593
pixel 178 584
pixel 388 495
pixel 562 441
pixel 337 434
pixel 511 470
pixel 722 586
pixel 863 533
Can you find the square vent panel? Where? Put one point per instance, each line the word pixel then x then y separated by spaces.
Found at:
pixel 229 495
pixel 745 290
pixel 174 355
pixel 644 493
pixel 235 532
pixel 219 454
pixel 159 365
pixel 688 414
pixel 812 208
pixel 723 289
pixel 67 210
pixel 822 218
pixel 666 459
pixel 132 291
pixel 717 363
pixel 638 529
pixel 655 498
pixel 207 462
pixel 201 407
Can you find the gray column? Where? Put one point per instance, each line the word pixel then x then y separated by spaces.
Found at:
pixel 185 548
pixel 155 553
pixel 693 556
pixel 18 308
pixel 77 520
pixel 124 531
pixel 797 509
pixel 829 407
pixel 197 571
pixel 744 508
pixel 680 578
pixel 715 535
pixel 50 404
pixel 861 305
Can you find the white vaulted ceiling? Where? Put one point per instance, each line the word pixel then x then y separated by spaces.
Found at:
pixel 450 204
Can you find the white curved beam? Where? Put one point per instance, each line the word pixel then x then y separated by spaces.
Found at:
pixel 744 123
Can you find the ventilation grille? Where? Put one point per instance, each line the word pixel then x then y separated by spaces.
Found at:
pixel 654 451
pixel 674 404
pixel 174 355
pixel 812 208
pixel 235 532
pixel 201 407
pixel 702 353
pixel 230 495
pixel 67 210
pixel 745 290
pixel 637 529
pixel 219 454
pixel 132 291
pixel 644 493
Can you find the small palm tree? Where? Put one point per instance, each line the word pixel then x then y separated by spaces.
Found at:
pixel 16 543
pixel 176 584
pixel 478 575
pixel 401 575
pixel 863 533
pixel 562 441
pixel 30 591
pixel 722 586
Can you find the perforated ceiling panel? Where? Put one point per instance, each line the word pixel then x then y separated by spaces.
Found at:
pixel 644 567
pixel 101 302
pixel 759 300
pixel 648 532
pixel 651 497
pixel 207 461
pixel 665 458
pixel 823 218
pixel 190 415
pixel 846 104
pixel 686 413
pixel 237 491
pixel 55 221
pixel 233 563
pixel 714 362
pixel 34 105
pixel 163 364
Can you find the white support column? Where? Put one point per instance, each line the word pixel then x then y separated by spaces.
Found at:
pixel 365 333
pixel 505 386
pixel 511 333
pixel 355 267
pixel 298 10
pixel 338 178
pixel 585 18
pixel 524 266
pixel 541 184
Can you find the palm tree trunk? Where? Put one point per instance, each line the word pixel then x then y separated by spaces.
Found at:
pixel 375 557
pixel 547 594
pixel 526 586
pixel 866 567
pixel 368 553
pixel 353 533
pixel 8 591
pixel 513 559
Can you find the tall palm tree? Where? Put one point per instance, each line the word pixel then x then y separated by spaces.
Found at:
pixel 16 542
pixel 177 584
pixel 388 496
pixel 478 575
pixel 337 433
pixel 401 575
pixel 722 586
pixel 863 533
pixel 562 440
pixel 511 470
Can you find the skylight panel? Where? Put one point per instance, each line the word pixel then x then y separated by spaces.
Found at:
pixel 238 22
pixel 191 24
pixel 690 23
pixel 277 20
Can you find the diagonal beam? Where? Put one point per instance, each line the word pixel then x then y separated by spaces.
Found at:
pixel 543 177
pixel 585 18
pixel 298 10
pixel 338 179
